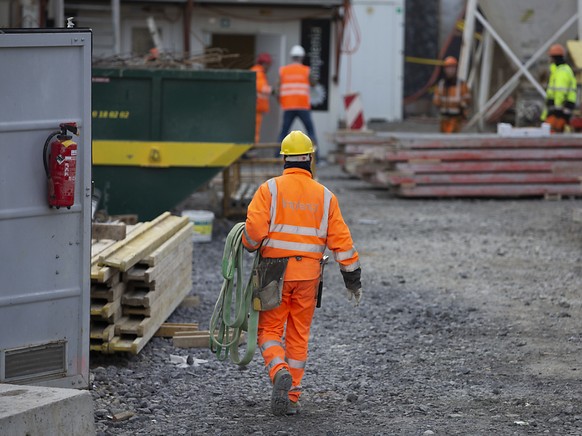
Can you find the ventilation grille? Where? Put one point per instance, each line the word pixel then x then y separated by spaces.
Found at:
pixel 40 361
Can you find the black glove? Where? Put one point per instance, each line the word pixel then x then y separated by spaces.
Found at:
pixel 568 108
pixel 559 113
pixel 352 279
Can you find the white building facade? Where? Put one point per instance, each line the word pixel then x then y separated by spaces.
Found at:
pixel 375 32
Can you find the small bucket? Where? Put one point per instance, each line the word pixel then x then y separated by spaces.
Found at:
pixel 201 224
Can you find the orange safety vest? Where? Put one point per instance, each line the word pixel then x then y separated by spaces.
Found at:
pixel 294 89
pixel 452 100
pixel 294 216
pixel 263 88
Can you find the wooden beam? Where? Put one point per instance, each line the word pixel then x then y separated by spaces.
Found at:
pixel 107 293
pixel 113 231
pixel 161 252
pixel 101 331
pixel 131 252
pixel 198 340
pixel 104 310
pixel 159 278
pixel 169 329
pixel 167 304
pixel 103 248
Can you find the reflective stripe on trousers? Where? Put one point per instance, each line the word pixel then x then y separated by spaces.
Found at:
pixel 273 353
pixel 296 309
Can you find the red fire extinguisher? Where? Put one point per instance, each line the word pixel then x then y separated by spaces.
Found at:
pixel 60 166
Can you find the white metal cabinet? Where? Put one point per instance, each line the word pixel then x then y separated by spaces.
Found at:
pixel 45 80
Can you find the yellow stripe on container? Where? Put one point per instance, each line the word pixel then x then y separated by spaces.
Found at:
pixel 166 154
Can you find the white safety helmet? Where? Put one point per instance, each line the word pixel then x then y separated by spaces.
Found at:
pixel 297 51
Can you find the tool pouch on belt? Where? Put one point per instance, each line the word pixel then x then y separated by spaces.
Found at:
pixel 268 283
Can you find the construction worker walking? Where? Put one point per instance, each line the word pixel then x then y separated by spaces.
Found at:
pixel 291 220
pixel 560 92
pixel 264 90
pixel 294 82
pixel 453 97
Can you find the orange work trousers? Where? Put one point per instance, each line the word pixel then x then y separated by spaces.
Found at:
pixel 258 123
pixel 557 124
pixel 296 310
pixel 451 124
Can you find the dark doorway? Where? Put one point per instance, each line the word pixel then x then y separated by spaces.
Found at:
pixel 231 51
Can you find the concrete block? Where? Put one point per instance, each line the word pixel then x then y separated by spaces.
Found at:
pixel 34 410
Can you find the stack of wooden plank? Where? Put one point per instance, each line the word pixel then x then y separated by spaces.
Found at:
pixel 138 281
pixel 465 165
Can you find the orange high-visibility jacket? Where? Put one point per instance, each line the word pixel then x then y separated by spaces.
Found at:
pixel 263 88
pixel 294 216
pixel 452 100
pixel 294 87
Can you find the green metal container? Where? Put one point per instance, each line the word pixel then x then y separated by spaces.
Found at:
pixel 158 135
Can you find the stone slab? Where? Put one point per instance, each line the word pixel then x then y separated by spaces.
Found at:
pixel 35 410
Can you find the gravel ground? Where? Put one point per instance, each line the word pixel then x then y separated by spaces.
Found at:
pixel 470 324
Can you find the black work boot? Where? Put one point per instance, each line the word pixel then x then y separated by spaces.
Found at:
pixel 294 408
pixel 280 394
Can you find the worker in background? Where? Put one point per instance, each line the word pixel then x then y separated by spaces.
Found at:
pixel 561 91
pixel 453 97
pixel 291 220
pixel 264 91
pixel 295 80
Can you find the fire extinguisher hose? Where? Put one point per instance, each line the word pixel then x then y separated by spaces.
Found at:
pixel 233 312
pixel 44 156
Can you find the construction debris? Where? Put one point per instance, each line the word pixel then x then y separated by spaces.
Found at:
pixel 137 282
pixel 197 61
pixel 464 165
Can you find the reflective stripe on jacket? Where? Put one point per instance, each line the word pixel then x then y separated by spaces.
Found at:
pixel 294 216
pixel 452 99
pixel 263 88
pixel 561 86
pixel 294 87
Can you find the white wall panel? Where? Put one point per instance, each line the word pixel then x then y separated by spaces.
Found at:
pixel 376 67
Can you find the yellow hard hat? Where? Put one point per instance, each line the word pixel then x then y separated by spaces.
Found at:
pixel 296 143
